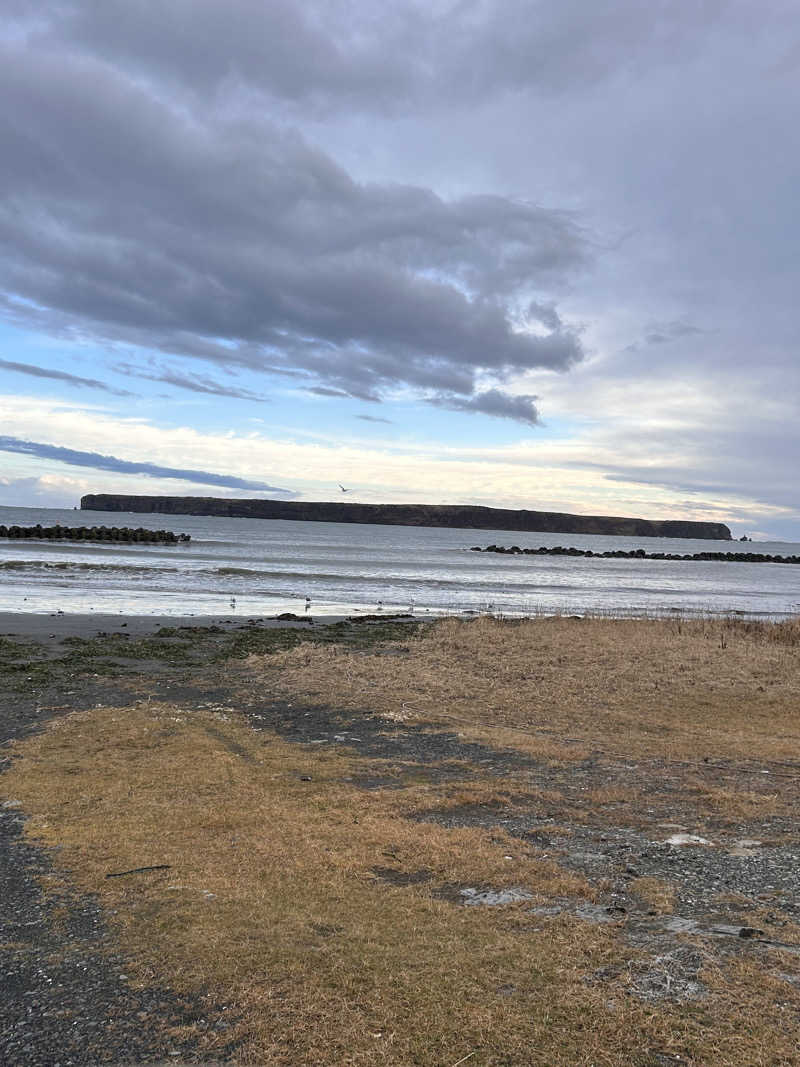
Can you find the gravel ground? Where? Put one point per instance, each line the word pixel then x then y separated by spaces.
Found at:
pixel 64 1000
pixel 714 885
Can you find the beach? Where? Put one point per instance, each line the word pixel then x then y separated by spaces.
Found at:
pixel 52 627
pixel 251 568
pixel 394 841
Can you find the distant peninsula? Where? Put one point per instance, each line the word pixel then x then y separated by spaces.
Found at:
pixel 452 516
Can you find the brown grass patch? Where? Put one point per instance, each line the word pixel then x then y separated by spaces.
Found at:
pixel 271 904
pixel 640 688
pixel 739 804
pixel 657 895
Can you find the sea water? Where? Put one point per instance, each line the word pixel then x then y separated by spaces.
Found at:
pixel 258 567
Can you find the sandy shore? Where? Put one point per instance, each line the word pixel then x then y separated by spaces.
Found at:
pixel 44 627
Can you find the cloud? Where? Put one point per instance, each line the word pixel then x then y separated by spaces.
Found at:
pixel 223 236
pixel 364 200
pixel 44 491
pixel 493 402
pixel 662 333
pixel 413 54
pixel 121 466
pixel 195 382
pixel 373 418
pixel 545 472
pixel 323 390
pixel 60 376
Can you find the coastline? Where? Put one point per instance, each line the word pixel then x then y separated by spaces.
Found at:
pixel 270 568
pixel 44 627
pixel 51 628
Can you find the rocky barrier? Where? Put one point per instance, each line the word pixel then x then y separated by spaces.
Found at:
pixel 639 553
pixel 94 533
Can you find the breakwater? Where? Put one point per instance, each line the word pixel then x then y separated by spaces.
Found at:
pixel 93 533
pixel 639 553
pixel 451 516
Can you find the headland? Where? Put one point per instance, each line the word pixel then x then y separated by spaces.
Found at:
pixel 452 516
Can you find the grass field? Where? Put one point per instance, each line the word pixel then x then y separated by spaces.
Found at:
pixel 323 828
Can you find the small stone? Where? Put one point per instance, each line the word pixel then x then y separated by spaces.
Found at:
pixel 749 931
pixel 687 839
pixel 736 931
pixel 493 898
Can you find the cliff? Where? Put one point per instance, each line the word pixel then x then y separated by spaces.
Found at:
pixel 455 516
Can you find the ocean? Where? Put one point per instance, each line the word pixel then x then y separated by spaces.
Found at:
pixel 253 568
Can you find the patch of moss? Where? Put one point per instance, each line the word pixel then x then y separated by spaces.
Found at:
pixel 355 634
pixel 27 665
pixel 11 650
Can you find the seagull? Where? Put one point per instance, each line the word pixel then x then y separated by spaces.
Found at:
pixel 342 487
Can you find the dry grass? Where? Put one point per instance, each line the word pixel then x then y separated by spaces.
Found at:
pixel 271 904
pixel 739 804
pixel 283 895
pixel 657 895
pixel 271 900
pixel 642 688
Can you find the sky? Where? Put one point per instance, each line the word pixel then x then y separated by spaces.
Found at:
pixel 518 254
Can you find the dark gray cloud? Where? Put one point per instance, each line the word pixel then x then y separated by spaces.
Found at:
pixel 122 466
pixel 493 402
pixel 374 418
pixel 60 376
pixel 324 390
pixel 218 234
pixel 406 54
pixel 196 383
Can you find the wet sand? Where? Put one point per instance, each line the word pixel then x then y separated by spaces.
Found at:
pixel 54 626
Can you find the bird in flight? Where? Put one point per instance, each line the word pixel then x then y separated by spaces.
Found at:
pixel 342 488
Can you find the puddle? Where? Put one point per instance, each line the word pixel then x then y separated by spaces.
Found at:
pixel 687 839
